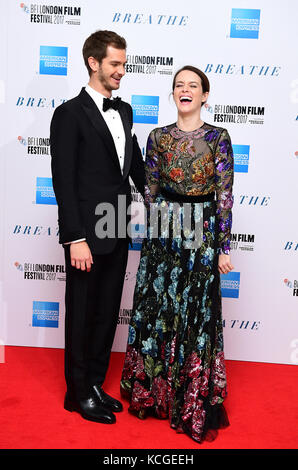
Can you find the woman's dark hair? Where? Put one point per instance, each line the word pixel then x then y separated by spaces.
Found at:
pixel 96 45
pixel 203 77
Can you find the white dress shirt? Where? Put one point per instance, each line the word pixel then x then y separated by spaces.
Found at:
pixel 114 123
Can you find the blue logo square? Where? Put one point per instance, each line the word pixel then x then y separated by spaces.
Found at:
pixel 44 191
pixel 45 314
pixel 137 235
pixel 245 23
pixel 230 284
pixel 241 158
pixel 53 60
pixel 145 109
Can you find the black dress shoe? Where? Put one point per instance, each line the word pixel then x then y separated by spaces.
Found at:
pixel 105 400
pixel 90 409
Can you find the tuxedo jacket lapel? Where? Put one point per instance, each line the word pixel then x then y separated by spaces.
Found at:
pixel 128 140
pixel 99 124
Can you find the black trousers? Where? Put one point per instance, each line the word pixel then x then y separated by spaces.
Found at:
pixel 92 302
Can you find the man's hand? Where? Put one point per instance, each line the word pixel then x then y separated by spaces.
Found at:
pixel 224 264
pixel 80 256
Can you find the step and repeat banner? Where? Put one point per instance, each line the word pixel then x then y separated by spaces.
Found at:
pixel 248 51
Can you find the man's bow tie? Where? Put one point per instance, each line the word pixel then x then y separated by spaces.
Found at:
pixel 114 103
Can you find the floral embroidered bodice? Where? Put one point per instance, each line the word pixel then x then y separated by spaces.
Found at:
pixel 193 163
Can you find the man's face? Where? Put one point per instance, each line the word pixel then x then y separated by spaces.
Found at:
pixel 112 68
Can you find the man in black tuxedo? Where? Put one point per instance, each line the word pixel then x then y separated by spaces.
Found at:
pixel 94 151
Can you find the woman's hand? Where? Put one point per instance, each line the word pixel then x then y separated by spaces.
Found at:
pixel 224 264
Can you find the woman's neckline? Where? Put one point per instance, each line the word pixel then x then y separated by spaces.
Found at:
pixel 189 132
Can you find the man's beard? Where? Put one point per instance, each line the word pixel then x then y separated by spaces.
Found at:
pixel 103 80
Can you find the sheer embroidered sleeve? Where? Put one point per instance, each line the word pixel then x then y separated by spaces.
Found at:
pixel 151 169
pixel 224 176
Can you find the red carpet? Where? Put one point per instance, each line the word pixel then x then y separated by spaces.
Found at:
pixel 262 406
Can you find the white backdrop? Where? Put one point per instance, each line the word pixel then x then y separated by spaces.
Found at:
pixel 248 50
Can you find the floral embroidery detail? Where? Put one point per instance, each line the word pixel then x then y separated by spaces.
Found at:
pixel 177 175
pixel 141 398
pixel 174 364
pixel 207 151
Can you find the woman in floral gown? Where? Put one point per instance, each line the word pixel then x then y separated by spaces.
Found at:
pixel 174 365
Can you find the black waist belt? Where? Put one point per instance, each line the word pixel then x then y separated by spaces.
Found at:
pixel 187 198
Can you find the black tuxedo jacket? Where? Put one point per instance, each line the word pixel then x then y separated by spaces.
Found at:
pixel 86 170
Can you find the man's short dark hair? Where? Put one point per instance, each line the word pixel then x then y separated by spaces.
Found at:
pixel 96 45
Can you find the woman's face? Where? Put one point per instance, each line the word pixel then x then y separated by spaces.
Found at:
pixel 188 93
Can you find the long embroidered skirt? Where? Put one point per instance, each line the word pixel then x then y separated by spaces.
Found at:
pixel 174 366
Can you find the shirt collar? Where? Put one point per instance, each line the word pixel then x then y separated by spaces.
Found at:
pixel 95 95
